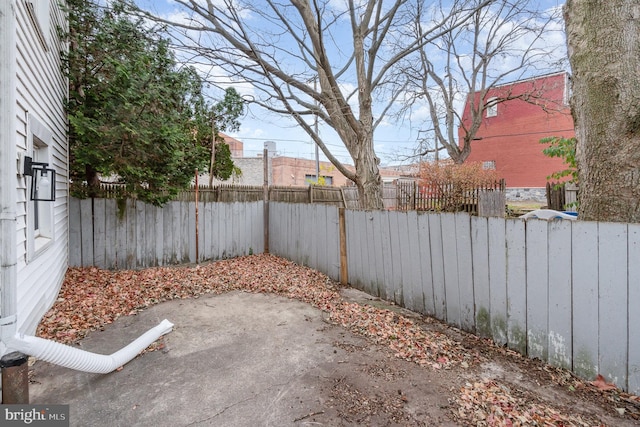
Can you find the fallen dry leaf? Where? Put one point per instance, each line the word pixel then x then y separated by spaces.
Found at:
pixel 602 384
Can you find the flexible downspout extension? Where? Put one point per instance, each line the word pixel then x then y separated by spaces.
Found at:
pixel 80 360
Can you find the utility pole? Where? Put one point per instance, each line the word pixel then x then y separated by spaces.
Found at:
pixel 315 126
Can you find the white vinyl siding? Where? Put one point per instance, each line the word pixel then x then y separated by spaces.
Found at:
pixel 41 92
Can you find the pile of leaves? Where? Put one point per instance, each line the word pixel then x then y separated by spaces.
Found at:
pixel 489 403
pixel 91 298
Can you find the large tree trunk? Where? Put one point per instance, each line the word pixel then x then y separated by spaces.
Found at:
pixel 604 51
pixel 368 181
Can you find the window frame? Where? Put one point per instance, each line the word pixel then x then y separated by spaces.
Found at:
pixel 40 230
pixel 491 107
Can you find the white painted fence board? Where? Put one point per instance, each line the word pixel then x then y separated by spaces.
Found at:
pixel 634 309
pixel 465 271
pixel 497 279
pixel 424 274
pixel 537 288
pixel 437 266
pixel 516 285
pixel 560 345
pixel 412 264
pixel 481 289
pixel 451 270
pixel 613 293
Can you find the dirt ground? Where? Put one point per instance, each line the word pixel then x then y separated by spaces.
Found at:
pixel 403 393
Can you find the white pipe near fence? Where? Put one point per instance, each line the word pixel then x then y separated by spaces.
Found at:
pixel 566 292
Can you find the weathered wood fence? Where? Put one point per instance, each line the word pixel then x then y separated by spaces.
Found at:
pixel 444 197
pixel 106 234
pixel 566 292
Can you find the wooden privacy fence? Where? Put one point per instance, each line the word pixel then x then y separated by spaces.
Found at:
pixel 229 193
pixel 566 292
pixel 133 234
pixel 563 291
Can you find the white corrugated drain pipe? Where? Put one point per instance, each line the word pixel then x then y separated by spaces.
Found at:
pixel 80 360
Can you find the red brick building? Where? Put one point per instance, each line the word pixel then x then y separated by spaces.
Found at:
pixel 290 171
pixel 508 139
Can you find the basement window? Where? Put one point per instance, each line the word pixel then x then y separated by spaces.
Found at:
pixel 489 165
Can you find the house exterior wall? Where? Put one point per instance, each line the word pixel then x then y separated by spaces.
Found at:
pixel 41 89
pixel 511 138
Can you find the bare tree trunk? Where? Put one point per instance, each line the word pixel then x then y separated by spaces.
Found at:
pixel 368 181
pixel 604 50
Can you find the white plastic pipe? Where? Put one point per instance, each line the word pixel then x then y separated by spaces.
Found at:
pixel 80 360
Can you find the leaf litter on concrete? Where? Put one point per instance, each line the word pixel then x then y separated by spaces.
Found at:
pixel 91 298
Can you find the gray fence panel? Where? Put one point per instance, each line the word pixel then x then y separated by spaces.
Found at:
pixel 275 233
pixel 75 235
pixel 99 233
pixel 612 262
pixel 560 346
pixel 425 273
pixel 634 308
pixel 86 230
pixel 481 289
pixel 321 230
pixel 412 263
pixel 465 272
pixel 451 270
pixel 516 285
pixel 110 235
pixel 170 233
pixel 139 250
pixel 354 250
pixel 537 289
pixel 498 279
pixel 390 289
pixel 378 266
pixel 333 241
pixel 132 236
pixel 368 256
pixel 149 238
pixel 207 231
pixel 396 256
pixel 437 266
pixel 584 267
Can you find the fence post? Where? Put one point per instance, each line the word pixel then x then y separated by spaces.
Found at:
pixel 344 271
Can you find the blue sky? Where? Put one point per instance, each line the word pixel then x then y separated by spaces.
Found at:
pixel 393 140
